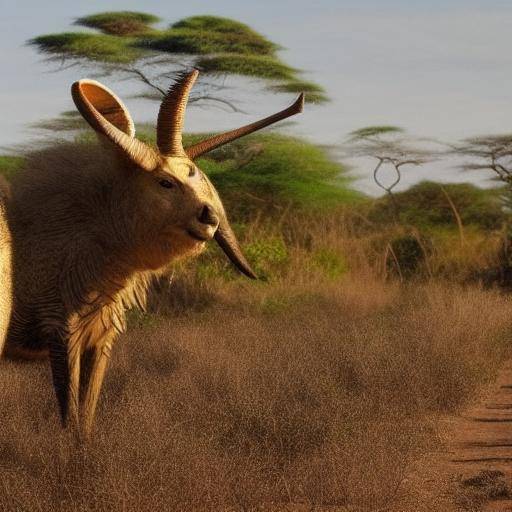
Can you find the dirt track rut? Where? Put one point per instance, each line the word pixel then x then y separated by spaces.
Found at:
pixel 472 469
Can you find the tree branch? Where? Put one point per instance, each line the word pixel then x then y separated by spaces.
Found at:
pixel 144 78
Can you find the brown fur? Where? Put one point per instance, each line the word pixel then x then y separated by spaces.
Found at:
pixel 5 269
pixel 89 234
pixel 91 227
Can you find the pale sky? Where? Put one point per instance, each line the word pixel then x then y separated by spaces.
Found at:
pixel 439 69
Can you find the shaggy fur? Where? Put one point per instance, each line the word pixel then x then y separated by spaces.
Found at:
pixel 5 268
pixel 80 236
pixel 92 225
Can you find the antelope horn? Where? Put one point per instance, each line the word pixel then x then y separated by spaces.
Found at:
pixel 172 113
pixel 225 237
pixel 107 115
pixel 229 244
pixel 218 140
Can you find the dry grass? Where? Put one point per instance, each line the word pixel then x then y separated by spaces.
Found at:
pixel 321 401
pixel 315 387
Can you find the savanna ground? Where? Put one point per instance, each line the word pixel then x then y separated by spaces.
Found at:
pixel 317 387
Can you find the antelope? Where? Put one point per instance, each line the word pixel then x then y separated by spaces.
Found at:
pixel 93 225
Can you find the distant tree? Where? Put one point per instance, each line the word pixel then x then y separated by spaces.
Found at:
pixel 489 152
pixel 129 44
pixel 386 145
pixel 493 153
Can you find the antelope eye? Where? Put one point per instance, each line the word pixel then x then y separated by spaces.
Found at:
pixel 192 172
pixel 166 183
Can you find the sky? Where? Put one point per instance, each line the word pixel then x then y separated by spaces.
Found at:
pixel 439 69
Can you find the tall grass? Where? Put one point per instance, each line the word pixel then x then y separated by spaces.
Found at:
pixel 314 387
pixel 308 389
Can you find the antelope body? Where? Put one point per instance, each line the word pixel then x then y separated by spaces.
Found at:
pixel 92 225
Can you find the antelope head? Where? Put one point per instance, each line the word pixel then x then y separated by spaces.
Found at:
pixel 177 208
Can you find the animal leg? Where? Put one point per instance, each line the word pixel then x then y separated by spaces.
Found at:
pixel 86 363
pixel 65 364
pixel 74 354
pixel 99 363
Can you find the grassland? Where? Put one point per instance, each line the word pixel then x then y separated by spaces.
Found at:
pixel 259 399
pixel 315 386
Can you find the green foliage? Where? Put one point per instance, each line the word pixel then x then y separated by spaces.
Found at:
pixel 203 42
pixel 209 268
pixel 425 206
pixel 275 169
pixel 249 65
pixel 331 262
pixel 267 256
pixel 215 24
pixel 9 165
pixel 218 45
pixel 314 93
pixel 372 131
pixel 211 34
pixel 69 120
pixel 120 23
pixel 96 47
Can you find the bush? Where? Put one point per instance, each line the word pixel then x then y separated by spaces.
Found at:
pixel 330 262
pixel 270 171
pixel 407 257
pixel 426 206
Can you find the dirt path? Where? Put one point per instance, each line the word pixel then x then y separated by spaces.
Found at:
pixel 472 470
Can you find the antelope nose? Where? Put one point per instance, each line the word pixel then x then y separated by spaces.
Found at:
pixel 208 216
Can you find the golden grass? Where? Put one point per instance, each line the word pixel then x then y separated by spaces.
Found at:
pixel 315 387
pixel 322 401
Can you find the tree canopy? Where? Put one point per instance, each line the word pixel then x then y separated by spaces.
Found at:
pixel 127 40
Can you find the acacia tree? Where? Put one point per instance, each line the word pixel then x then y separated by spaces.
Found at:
pixel 390 147
pixel 489 152
pixel 493 153
pixel 129 44
pixel 386 145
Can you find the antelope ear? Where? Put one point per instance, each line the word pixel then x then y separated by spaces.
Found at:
pixel 107 104
pixel 107 115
